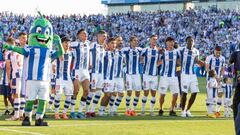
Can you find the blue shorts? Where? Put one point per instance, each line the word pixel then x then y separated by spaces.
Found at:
pixel 5 90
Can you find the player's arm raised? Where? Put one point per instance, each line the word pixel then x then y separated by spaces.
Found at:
pixel 207 64
pixel 8 69
pixel 178 62
pixel 199 61
pixel 222 71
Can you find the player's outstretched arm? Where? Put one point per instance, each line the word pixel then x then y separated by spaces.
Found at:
pixel 19 50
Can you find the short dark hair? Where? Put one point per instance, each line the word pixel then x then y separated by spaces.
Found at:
pixel 79 31
pixel 131 38
pixel 22 34
pixel 169 39
pixel 225 79
pixel 111 39
pixel 154 35
pixel 176 45
pixel 101 32
pixel 189 37
pixel 211 73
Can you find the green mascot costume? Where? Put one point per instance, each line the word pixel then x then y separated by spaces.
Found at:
pixel 38 56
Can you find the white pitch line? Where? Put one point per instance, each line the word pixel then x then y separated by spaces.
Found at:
pixel 19 131
pixel 103 124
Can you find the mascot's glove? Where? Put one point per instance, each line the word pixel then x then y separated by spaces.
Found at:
pixel 7 47
pixel 56 40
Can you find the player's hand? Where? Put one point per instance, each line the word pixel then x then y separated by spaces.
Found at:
pixel 56 40
pixel 161 51
pixel 219 79
pixel 10 83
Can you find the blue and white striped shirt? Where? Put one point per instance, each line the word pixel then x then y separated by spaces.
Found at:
pixel 118 62
pixel 215 63
pixel 108 66
pixel 80 54
pixel 151 58
pixel 38 63
pixel 188 59
pixel 4 79
pixel 132 56
pixel 97 53
pixel 228 90
pixel 63 67
pixel 16 61
pixel 169 65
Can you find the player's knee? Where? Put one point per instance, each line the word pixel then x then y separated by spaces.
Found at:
pixel 16 96
pixel 175 95
pixel 137 93
pixel 107 95
pixel 129 93
pixel 120 94
pixel 146 92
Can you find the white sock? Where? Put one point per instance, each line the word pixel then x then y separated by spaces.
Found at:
pixel 16 107
pixel 102 110
pixel 96 100
pixel 135 102
pixel 152 103
pixel 212 108
pixel 29 114
pixel 117 103
pixel 51 99
pixel 111 101
pixel 89 99
pixel 39 116
pixel 219 103
pixel 144 101
pixel 22 106
pixel 209 108
pixel 66 104
pixel 73 102
pixel 57 103
pixel 128 99
pixel 82 104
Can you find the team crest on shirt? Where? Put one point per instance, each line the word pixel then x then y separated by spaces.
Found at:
pixel 131 52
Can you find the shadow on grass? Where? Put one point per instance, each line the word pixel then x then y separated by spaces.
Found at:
pixel 199 115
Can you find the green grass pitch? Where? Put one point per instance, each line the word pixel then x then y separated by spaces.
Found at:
pixel 122 125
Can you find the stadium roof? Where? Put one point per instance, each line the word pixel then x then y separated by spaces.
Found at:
pixel 130 2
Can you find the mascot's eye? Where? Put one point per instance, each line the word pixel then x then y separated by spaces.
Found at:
pixel 38 30
pixel 47 31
